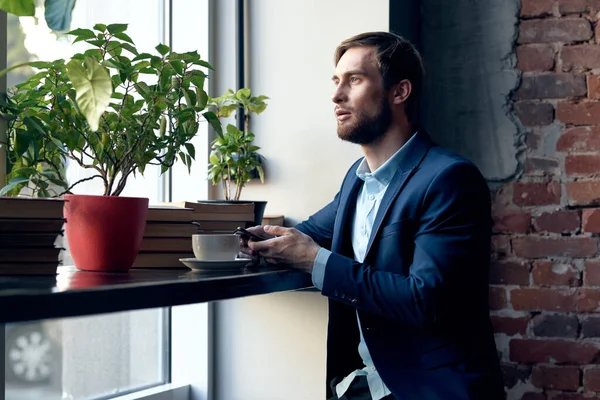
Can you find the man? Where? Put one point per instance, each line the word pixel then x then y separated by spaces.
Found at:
pixel 402 251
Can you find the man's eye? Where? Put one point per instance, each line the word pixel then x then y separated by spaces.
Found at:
pixel 354 79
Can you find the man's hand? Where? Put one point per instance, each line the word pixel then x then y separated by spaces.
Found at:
pixel 289 247
pixel 245 251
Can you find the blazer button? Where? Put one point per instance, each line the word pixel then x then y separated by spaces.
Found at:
pixel 343 296
pixel 335 293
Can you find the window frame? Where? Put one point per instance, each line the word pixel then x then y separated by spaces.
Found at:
pixel 3 53
pixel 189 373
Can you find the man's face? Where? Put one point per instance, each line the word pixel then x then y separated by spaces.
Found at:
pixel 362 109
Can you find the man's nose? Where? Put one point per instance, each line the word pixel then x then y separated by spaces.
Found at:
pixel 339 96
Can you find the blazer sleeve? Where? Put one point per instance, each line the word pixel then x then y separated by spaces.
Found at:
pixel 450 245
pixel 319 226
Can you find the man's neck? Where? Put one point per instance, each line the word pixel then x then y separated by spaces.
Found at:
pixel 377 153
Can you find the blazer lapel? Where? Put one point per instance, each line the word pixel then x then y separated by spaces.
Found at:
pixel 415 152
pixel 348 199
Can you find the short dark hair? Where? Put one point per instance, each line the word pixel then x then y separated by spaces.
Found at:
pixel 396 58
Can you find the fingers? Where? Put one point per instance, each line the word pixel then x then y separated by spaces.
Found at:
pixel 245 249
pixel 276 230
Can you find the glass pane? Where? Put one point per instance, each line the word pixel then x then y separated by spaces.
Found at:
pixel 90 357
pixel 85 357
pixel 29 39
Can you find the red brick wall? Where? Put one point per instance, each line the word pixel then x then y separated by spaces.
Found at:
pixel 545 278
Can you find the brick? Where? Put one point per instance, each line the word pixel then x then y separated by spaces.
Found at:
pixel 533 396
pixel 584 138
pixel 582 164
pixel 588 300
pixel 536 193
pixel 583 113
pixel 543 299
pixel 593 84
pixel 536 8
pixel 561 221
pixel 535 58
pixel 555 325
pixel 591 276
pixel 541 166
pixel 510 325
pixel 551 86
pixel 572 6
pixel 591 220
pixel 583 193
pixel 509 273
pixel 554 273
pixel 514 374
pixel 554 377
pixel 590 327
pixel 512 222
pixel 500 245
pixel 559 351
pixel 585 56
pixel 564 30
pixel 497 298
pixel 571 396
pixel 501 198
pixel 593 6
pixel 533 140
pixel 591 379
pixel 542 247
pixel 533 113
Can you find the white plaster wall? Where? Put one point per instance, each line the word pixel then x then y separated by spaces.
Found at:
pixel 273 347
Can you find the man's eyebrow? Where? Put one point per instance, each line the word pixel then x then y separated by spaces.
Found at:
pixel 351 72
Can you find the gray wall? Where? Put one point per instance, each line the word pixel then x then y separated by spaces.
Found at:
pixel 469 53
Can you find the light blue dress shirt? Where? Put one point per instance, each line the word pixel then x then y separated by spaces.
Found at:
pixel 367 204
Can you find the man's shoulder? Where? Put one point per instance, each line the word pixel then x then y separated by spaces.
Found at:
pixel 441 158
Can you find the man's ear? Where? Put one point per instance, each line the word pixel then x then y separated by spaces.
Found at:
pixel 401 91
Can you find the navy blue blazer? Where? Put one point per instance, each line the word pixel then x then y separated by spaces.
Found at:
pixel 422 291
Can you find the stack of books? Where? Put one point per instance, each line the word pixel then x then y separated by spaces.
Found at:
pixel 277 220
pixel 167 238
pixel 215 218
pixel 31 234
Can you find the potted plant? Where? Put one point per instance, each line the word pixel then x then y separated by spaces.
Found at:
pixel 234 159
pixel 113 111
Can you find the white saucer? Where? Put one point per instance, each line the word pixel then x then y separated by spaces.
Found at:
pixel 201 265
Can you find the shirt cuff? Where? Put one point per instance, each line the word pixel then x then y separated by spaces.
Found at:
pixel 318 272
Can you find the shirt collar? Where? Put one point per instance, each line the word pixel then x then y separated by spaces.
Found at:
pixel 384 174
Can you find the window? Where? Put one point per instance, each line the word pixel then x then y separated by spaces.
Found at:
pixel 86 357
pixel 105 356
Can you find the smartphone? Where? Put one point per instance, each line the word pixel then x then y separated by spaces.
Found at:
pixel 244 232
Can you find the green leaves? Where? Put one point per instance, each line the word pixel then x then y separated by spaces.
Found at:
pixel 162 49
pixel 13 183
pixel 116 28
pixel 82 34
pixel 214 122
pixel 58 14
pixel 95 111
pixel 233 157
pixel 21 8
pixel 93 87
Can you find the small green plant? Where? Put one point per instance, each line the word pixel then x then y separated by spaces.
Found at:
pixel 234 159
pixel 110 109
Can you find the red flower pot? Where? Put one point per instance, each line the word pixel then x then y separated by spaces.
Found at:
pixel 104 232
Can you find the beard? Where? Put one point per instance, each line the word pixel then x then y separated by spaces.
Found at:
pixel 367 129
